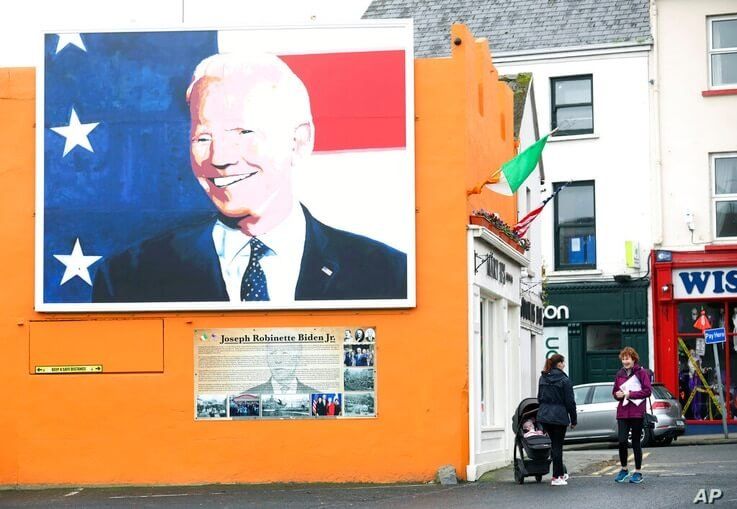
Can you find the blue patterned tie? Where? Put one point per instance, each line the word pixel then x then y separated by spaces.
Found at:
pixel 253 285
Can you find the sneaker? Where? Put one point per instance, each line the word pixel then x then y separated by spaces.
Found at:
pixel 565 477
pixel 622 476
pixel 636 478
pixel 558 481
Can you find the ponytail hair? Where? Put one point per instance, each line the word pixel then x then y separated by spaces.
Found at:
pixel 552 362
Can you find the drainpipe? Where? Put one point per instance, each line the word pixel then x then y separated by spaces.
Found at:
pixel 657 169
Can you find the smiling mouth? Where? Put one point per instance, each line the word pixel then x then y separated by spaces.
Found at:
pixel 222 182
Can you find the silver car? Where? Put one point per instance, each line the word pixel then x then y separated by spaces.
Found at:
pixel 597 411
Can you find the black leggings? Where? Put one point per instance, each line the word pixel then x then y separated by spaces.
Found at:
pixel 625 425
pixel 557 434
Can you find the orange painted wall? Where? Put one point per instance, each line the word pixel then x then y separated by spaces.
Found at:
pixel 137 427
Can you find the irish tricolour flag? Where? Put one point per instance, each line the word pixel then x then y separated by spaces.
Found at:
pixel 516 171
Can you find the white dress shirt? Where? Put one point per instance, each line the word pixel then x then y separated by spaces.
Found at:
pixel 281 265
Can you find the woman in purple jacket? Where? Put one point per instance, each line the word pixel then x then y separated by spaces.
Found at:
pixel 630 416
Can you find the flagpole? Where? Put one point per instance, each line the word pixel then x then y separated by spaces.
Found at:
pixel 523 224
pixel 490 180
pixel 546 200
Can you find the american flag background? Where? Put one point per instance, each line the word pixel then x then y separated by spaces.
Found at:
pixel 132 175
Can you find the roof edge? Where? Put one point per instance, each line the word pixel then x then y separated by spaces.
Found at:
pixel 592 48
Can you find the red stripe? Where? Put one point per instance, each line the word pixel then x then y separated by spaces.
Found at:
pixel 522 232
pixel 528 218
pixel 357 99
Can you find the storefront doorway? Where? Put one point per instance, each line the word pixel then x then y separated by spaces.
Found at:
pixel 603 344
pixel 600 319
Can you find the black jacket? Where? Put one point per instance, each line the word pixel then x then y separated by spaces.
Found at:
pixel 555 395
pixel 182 266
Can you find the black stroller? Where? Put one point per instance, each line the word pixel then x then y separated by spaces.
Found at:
pixel 534 451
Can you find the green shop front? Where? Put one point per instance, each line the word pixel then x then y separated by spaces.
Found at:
pixel 590 322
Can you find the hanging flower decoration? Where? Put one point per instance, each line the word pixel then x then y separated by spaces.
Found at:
pixel 503 227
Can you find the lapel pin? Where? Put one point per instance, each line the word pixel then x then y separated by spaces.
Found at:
pixel 327 271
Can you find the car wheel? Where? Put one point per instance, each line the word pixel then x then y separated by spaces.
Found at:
pixel 665 441
pixel 645 439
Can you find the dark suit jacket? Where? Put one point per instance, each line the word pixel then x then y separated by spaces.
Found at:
pixel 182 266
pixel 268 388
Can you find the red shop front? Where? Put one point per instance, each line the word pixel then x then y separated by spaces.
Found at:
pixel 684 284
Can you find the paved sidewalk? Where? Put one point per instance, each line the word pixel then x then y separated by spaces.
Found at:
pixel 709 439
pixel 577 462
pixel 590 458
pixel 706 439
pixel 674 476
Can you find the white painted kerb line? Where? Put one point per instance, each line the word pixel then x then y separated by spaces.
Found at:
pixel 156 496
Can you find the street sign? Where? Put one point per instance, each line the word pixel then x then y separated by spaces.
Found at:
pixel 65 370
pixel 714 336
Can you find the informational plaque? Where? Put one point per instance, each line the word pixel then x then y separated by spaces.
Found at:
pixel 289 373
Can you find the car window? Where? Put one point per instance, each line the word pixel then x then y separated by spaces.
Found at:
pixel 661 392
pixel 579 394
pixel 602 394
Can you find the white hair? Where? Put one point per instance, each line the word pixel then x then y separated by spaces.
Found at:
pixel 288 89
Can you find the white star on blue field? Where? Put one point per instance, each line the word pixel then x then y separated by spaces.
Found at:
pixel 115 142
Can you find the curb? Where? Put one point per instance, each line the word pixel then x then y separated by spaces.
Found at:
pixel 720 441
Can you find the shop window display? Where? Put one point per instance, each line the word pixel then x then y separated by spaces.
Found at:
pixel 698 382
pixel 732 347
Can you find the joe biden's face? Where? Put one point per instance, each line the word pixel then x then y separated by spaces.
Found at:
pixel 242 149
pixel 283 360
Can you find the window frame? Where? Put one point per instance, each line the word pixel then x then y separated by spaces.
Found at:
pixel 554 107
pixel 715 198
pixel 591 325
pixel 587 395
pixel 490 416
pixel 710 50
pixel 606 389
pixel 556 227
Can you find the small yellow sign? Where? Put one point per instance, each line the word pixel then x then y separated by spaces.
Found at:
pixel 63 370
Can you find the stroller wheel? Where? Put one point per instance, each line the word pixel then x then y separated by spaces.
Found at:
pixel 518 477
pixel 539 478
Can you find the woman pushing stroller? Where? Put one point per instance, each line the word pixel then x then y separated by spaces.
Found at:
pixel 557 410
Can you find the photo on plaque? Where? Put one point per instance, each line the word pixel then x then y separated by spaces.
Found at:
pixel 360 404
pixel 358 379
pixel 244 405
pixel 359 355
pixel 285 405
pixel 211 406
pixel 327 405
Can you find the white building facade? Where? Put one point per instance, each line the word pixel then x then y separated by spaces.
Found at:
pixel 697 122
pixel 529 196
pixel 595 232
pixel 495 383
pixel 695 204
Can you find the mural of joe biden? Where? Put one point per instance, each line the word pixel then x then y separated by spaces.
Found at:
pixel 251 127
